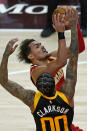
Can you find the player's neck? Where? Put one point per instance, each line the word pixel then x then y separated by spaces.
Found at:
pixel 53 94
pixel 40 62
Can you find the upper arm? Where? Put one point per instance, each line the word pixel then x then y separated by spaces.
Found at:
pixel 54 53
pixel 51 68
pixel 27 96
pixel 71 78
pixel 68 89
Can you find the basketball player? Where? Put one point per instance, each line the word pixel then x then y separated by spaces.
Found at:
pixel 51 109
pixel 33 52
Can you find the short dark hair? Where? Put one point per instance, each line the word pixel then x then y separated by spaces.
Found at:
pixel 46 84
pixel 25 50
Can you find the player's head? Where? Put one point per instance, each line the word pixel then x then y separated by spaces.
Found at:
pixel 46 84
pixel 31 50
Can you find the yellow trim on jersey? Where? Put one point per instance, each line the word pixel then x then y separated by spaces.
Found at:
pixel 57 93
pixel 63 97
pixel 36 99
pixel 39 94
pixel 51 57
pixel 50 98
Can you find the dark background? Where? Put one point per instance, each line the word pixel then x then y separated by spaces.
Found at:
pixel 24 20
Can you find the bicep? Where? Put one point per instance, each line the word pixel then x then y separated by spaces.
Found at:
pixel 18 91
pixel 54 53
pixel 51 67
pixel 68 88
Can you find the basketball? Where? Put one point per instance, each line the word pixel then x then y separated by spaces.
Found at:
pixel 62 10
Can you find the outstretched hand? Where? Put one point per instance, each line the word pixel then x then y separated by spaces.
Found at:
pixel 11 46
pixel 58 25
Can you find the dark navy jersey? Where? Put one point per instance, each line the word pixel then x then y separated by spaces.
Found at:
pixel 52 113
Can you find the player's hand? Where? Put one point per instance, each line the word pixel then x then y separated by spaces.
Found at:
pixel 72 18
pixel 11 46
pixel 58 25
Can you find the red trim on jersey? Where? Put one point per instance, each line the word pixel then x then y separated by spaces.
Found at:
pixel 32 68
pixel 76 128
pixel 80 40
pixel 58 85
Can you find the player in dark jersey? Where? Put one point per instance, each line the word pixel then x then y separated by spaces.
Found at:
pixel 51 108
pixel 52 111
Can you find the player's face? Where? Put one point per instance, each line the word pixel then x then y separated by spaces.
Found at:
pixel 38 50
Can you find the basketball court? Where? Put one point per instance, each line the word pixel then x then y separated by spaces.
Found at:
pixel 14 115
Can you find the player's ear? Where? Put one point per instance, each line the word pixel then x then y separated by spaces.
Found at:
pixel 30 56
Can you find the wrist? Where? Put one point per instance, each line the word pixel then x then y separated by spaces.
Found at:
pixel 74 26
pixel 74 29
pixel 61 35
pixel 6 55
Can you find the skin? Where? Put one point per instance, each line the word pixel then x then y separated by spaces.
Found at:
pixel 71 72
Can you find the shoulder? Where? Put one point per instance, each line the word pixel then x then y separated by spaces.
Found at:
pixel 63 97
pixel 36 100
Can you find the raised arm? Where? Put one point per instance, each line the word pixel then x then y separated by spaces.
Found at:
pixel 54 53
pixel 61 58
pixel 71 72
pixel 15 89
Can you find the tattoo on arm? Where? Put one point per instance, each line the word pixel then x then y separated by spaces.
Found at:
pixel 71 72
pixel 27 96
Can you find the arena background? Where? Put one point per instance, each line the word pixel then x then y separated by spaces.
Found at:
pixel 24 19
pixel 25 14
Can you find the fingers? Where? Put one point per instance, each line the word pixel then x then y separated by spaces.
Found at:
pixel 13 41
pixel 59 24
pixel 15 47
pixel 58 20
pixel 54 26
pixel 63 19
pixel 55 19
pixel 11 46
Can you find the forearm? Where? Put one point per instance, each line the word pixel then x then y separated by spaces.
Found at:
pixel 62 54
pixel 7 84
pixel 12 87
pixel 74 40
pixel 3 69
pixel 72 65
pixel 71 72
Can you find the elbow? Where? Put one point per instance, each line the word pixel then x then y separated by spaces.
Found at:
pixel 3 82
pixel 63 62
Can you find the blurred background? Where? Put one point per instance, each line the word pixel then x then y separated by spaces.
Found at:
pixel 27 14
